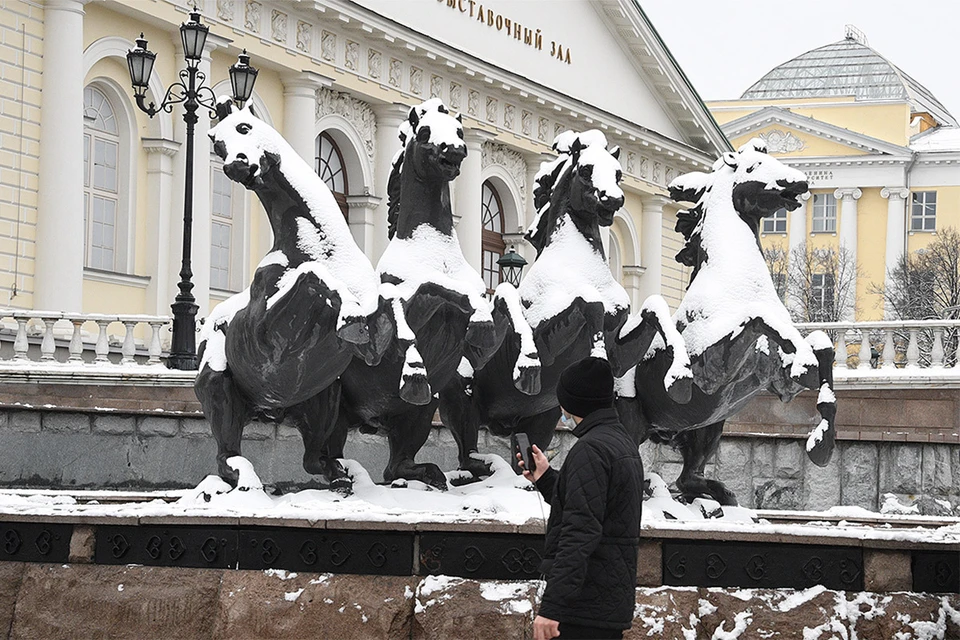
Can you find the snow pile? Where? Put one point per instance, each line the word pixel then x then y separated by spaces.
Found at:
pixel 433 590
pixel 512 596
pixel 893 506
pixel 659 505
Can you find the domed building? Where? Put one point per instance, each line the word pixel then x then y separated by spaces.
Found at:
pixel 880 152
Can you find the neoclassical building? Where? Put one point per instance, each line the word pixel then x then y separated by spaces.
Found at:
pixel 92 189
pixel 881 152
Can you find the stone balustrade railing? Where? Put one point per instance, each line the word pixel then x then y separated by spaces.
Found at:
pixel 898 344
pixel 52 326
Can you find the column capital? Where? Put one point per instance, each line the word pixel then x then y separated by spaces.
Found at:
pixel 853 193
pixel 654 201
pixel 535 158
pixel 212 43
pixel 365 201
pixel 161 146
pixel 476 137
pixel 900 193
pixel 301 83
pixel 76 6
pixel 390 113
pixel 805 196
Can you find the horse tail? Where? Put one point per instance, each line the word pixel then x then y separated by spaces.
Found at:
pixel 393 195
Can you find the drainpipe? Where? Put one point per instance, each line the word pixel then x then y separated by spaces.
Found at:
pixel 906 208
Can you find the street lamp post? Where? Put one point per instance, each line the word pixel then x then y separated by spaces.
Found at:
pixel 192 94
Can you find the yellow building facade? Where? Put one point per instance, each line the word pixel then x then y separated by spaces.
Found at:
pixel 881 153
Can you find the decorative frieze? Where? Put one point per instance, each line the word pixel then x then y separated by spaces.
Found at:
pixel 351 57
pixel 374 64
pixel 356 112
pixel 225 10
pixel 526 123
pixel 491 109
pixel 514 164
pixel 456 95
pixel 669 175
pixel 251 18
pixel 631 163
pixel 509 114
pixel 278 25
pixel 328 46
pixel 436 87
pixel 304 36
pixel 416 80
pixel 657 172
pixel 473 103
pixel 558 128
pixel 644 168
pixel 782 141
pixel 396 68
pixel 542 126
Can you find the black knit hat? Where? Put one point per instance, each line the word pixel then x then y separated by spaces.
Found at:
pixel 585 387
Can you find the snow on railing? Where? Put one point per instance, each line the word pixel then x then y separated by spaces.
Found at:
pixel 891 345
pixel 52 326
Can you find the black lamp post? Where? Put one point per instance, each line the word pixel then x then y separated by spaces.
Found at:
pixel 192 93
pixel 512 264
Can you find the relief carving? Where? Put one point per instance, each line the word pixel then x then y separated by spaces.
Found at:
pixel 373 64
pixel 499 155
pixel 436 87
pixel 416 80
pixel 351 58
pixel 225 10
pixel 455 96
pixel 396 68
pixel 304 36
pixel 473 103
pixel 526 123
pixel 278 24
pixel 782 141
pixel 356 112
pixel 509 112
pixel 252 16
pixel 328 46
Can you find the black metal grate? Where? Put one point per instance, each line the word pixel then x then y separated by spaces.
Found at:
pixel 482 556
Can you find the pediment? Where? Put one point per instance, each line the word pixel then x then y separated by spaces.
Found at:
pixel 793 135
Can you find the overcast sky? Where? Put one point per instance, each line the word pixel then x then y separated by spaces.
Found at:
pixel 724 46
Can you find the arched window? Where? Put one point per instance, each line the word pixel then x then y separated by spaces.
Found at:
pixel 614 259
pixel 332 170
pixel 101 181
pixel 493 244
pixel 227 206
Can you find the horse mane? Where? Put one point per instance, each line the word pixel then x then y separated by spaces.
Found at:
pixel 548 183
pixel 692 253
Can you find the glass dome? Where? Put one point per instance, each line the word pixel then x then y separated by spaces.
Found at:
pixel 846 68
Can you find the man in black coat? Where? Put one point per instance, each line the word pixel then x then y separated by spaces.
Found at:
pixel 590 558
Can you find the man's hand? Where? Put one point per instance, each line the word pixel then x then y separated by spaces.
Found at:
pixel 545 628
pixel 540 460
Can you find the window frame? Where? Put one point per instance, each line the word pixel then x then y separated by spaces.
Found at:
pixel 493 245
pixel 927 211
pixel 237 222
pixel 320 164
pixel 824 310
pixel 773 222
pixel 92 192
pixel 825 212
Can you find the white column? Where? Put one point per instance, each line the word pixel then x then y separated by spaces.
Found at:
pixel 469 186
pixel 363 214
pixel 160 206
pixel 389 117
pixel 896 227
pixel 300 112
pixel 533 162
pixel 632 284
pixel 797 232
pixel 651 245
pixel 848 219
pixel 58 266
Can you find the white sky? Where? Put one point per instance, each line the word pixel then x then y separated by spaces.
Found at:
pixel 724 46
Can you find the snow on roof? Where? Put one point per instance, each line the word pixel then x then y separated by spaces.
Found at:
pixel 939 139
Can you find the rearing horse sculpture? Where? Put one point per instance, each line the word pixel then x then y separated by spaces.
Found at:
pixel 276 350
pixel 569 307
pixel 436 297
pixel 739 336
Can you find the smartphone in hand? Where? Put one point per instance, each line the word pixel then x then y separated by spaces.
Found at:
pixel 526 451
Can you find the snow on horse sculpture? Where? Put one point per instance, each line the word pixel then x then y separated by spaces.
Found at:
pixel 435 296
pixel 738 334
pixel 569 307
pixel 276 350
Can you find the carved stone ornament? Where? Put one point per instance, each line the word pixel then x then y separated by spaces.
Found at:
pixel 782 141
pixel 669 174
pixel 456 95
pixel 492 109
pixel 526 123
pixel 356 112
pixel 328 46
pixel 304 36
pixel 657 172
pixel 473 103
pixel 416 80
pixel 278 25
pixel 225 10
pixel 351 58
pixel 436 87
pixel 558 129
pixel 509 116
pixel 499 155
pixel 631 162
pixel 374 64
pixel 396 68
pixel 644 168
pixel 252 16
pixel 542 129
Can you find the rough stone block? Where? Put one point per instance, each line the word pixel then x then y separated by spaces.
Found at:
pixel 277 604
pixel 259 431
pixel 778 494
pixel 895 615
pixel 764 454
pixel 775 614
pixel 788 458
pixel 62 601
pixel 936 472
pixel 490 610
pixel 175 462
pixel 158 426
pixel 11 575
pixel 900 468
pixel 821 485
pixel 951 609
pixel 734 468
pixel 82 544
pixel 858 475
pixel 286 432
pixel 667 612
pixel 24 421
pixel 193 428
pixel 650 564
pixel 114 425
pixel 885 570
pixel 66 422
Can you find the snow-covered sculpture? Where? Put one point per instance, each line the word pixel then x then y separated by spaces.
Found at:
pixel 276 350
pixel 569 306
pixel 435 296
pixel 738 334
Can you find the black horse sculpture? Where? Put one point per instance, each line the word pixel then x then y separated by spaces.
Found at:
pixel 738 334
pixel 569 307
pixel 276 350
pixel 436 298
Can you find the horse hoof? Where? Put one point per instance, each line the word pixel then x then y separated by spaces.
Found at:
pixel 229 475
pixel 477 468
pixel 415 390
pixel 342 485
pixel 681 390
pixel 482 335
pixel 355 331
pixel 528 382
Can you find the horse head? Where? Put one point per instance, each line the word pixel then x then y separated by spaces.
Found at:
pixel 762 185
pixel 582 182
pixel 247 145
